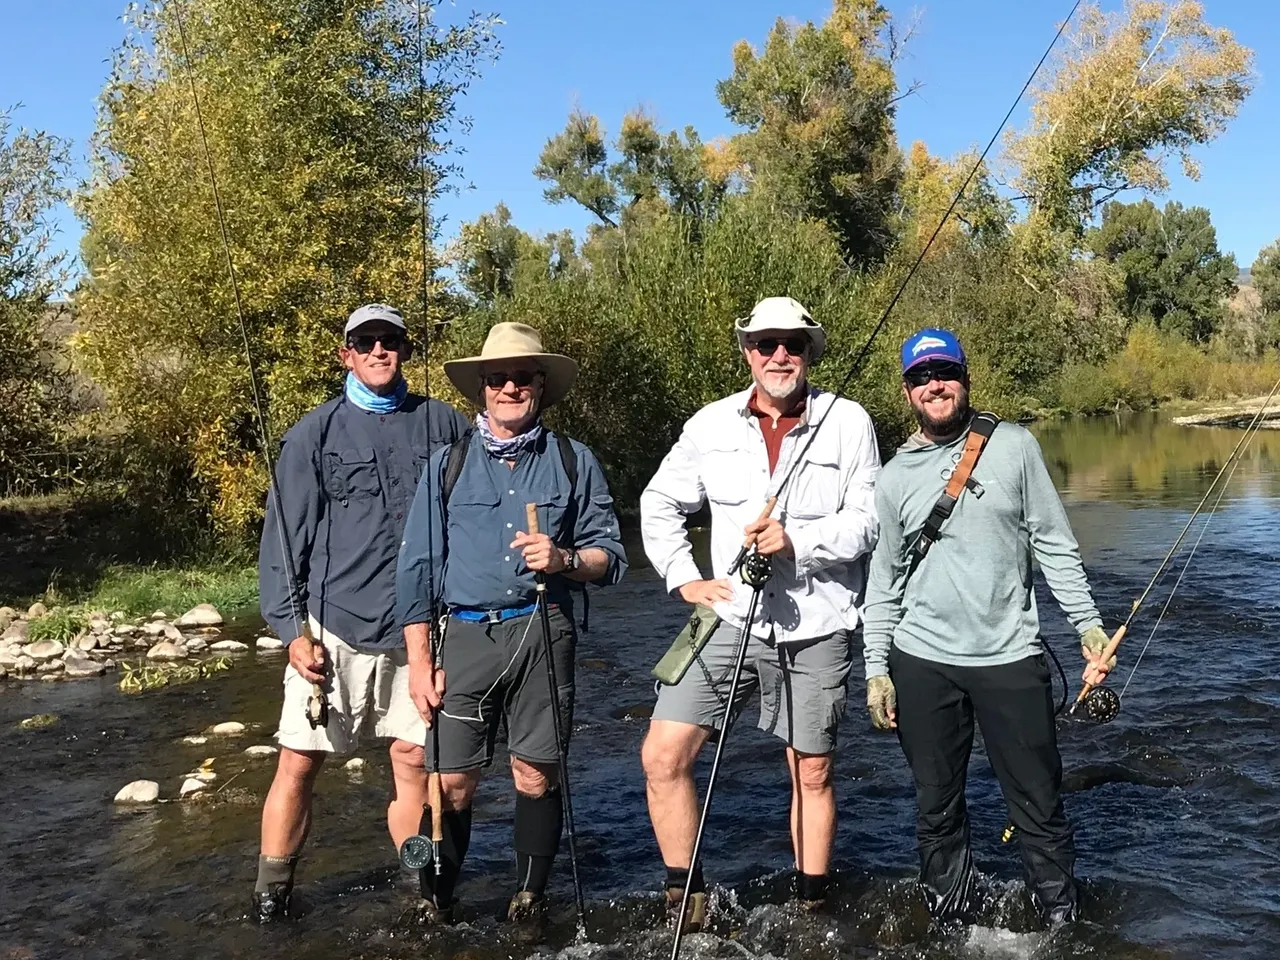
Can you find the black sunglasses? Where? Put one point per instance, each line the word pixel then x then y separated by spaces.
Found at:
pixel 795 346
pixel 362 343
pixel 500 378
pixel 919 376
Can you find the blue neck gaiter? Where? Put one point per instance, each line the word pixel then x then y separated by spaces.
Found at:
pixel 366 399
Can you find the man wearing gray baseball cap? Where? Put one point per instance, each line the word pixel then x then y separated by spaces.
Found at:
pixel 346 477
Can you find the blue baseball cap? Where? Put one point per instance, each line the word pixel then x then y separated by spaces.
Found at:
pixel 932 343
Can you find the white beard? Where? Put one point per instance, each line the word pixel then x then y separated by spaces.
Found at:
pixel 781 391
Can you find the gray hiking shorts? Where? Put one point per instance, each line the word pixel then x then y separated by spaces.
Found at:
pixel 496 675
pixel 802 684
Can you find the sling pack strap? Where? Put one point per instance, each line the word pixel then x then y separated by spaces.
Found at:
pixel 980 431
pixel 456 458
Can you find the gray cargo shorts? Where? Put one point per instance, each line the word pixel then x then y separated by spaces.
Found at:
pixel 496 674
pixel 802 683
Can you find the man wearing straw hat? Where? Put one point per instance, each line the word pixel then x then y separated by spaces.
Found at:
pixel 345 476
pixel 467 537
pixel 735 453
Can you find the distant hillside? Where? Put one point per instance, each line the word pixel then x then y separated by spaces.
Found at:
pixel 1244 278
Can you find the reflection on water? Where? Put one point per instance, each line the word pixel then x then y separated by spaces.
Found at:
pixel 1176 804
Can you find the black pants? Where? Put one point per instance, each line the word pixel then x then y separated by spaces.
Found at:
pixel 1013 704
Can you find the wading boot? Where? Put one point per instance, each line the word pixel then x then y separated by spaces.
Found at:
pixel 526 907
pixel 432 915
pixel 272 905
pixel 695 914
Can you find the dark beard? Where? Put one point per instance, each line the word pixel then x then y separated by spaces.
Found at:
pixel 948 427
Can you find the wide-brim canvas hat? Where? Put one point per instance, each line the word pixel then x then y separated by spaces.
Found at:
pixel 781 314
pixel 511 341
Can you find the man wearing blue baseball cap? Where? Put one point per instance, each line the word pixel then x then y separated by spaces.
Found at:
pixel 952 634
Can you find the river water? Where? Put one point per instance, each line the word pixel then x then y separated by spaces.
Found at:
pixel 1176 803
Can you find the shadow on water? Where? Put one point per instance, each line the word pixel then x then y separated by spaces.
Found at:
pixel 1176 804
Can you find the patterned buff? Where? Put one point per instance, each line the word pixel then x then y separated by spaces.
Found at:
pixel 507 449
pixel 366 399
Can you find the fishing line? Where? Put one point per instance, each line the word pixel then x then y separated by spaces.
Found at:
pixel 484 696
pixel 884 317
pixel 318 705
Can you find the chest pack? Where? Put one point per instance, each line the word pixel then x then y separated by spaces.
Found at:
pixel 980 431
pixel 456 459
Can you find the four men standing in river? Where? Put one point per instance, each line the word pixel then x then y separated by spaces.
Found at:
pixel 947 639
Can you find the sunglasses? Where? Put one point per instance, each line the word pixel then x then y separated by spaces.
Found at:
pixel 500 378
pixel 919 376
pixel 767 347
pixel 362 343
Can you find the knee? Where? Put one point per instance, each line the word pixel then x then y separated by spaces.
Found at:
pixel 456 790
pixel 408 760
pixel 813 774
pixel 298 766
pixel 533 780
pixel 664 758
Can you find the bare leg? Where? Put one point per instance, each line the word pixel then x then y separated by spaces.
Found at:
pixel 409 773
pixel 286 815
pixel 813 811
pixel 667 755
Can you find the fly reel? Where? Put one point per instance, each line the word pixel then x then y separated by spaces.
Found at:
pixel 416 852
pixel 1102 704
pixel 756 570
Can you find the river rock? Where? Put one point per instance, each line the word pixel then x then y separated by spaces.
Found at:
pixel 50 667
pixel 4 674
pixel 173 633
pixel 232 728
pixel 24 665
pixel 9 660
pixel 79 669
pixel 229 646
pixel 100 625
pixel 262 750
pixel 154 628
pixel 158 615
pixel 124 630
pixel 16 631
pixel 195 740
pixel 166 650
pixel 196 645
pixel 44 650
pixel 6 618
pixel 354 765
pixel 140 791
pixel 191 785
pixel 86 642
pixel 269 643
pixel 36 611
pixel 201 615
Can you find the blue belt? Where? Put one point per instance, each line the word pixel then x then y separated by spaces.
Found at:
pixel 472 615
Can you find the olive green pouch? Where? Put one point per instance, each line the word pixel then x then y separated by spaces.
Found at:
pixel 687 645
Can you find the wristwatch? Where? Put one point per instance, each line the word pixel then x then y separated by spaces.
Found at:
pixel 571 560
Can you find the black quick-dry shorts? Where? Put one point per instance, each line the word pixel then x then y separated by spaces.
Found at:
pixel 496 673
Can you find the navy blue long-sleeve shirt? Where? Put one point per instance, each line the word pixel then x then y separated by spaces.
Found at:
pixel 464 553
pixel 347 479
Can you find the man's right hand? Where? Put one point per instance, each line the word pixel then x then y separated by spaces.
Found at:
pixel 426 688
pixel 307 657
pixel 882 703
pixel 706 592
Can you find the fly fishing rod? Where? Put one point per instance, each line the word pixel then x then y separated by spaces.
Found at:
pixel 318 702
pixel 1102 704
pixel 884 317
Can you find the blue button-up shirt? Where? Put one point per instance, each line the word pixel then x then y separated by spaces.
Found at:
pixel 462 556
pixel 347 479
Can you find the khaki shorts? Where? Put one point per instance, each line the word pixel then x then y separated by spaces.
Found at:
pixel 364 689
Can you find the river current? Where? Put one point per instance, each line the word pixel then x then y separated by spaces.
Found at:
pixel 1176 804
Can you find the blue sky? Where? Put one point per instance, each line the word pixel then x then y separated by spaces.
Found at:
pixel 971 58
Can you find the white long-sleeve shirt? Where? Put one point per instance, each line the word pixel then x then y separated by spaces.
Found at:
pixel 827 508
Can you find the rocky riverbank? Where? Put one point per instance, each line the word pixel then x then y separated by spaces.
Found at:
pixel 49 645
pixel 1234 413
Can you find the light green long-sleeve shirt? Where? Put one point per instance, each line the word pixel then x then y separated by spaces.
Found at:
pixel 970 601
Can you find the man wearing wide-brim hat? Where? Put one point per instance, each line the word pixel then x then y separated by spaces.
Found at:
pixel 467 567
pixel 735 453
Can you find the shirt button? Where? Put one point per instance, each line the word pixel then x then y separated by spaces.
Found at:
pixel 506 558
pixel 508 526
pixel 512 492
pixel 399 516
pixel 508 593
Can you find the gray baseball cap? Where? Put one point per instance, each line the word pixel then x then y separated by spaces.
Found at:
pixel 374 311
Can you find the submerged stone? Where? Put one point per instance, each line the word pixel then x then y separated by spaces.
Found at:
pixel 139 791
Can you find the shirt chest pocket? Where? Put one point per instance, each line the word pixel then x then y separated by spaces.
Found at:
pixel 815 491
pixel 727 475
pixel 352 473
pixel 553 517
pixel 473 519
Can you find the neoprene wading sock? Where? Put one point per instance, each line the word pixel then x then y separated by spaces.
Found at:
pixel 537 838
pixel 810 886
pixel 455 837
pixel 679 877
pixel 275 873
